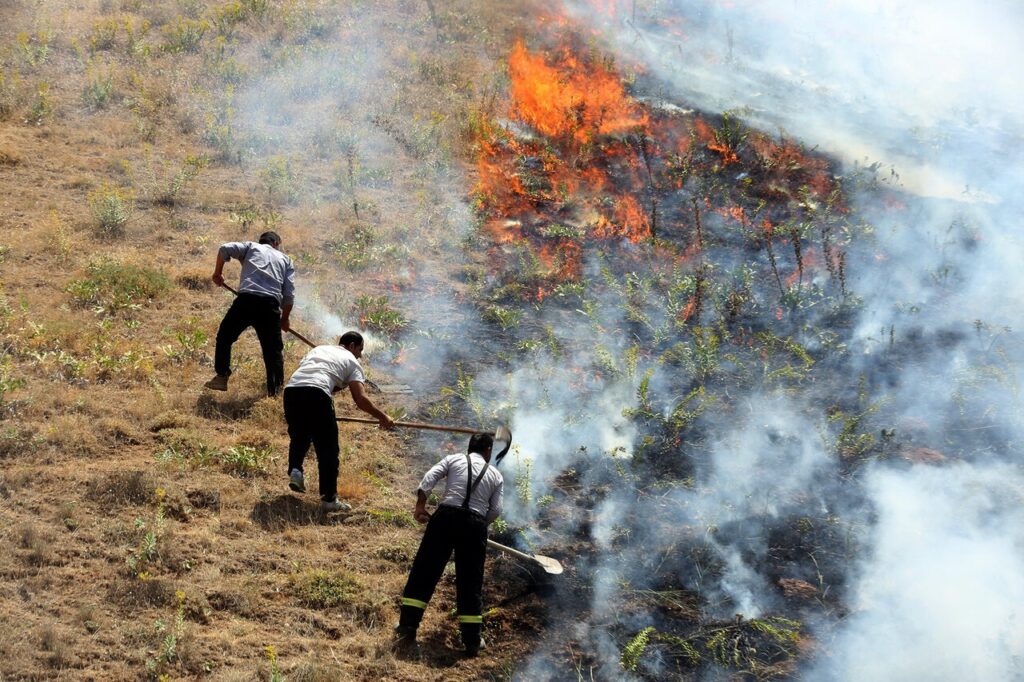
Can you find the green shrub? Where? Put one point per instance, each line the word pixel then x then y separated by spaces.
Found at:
pixel 191 342
pixel 257 8
pixel 111 287
pixel 247 461
pixel 190 169
pixel 34 50
pixel 227 17
pixel 97 90
pixel 376 313
pixel 42 107
pixel 9 98
pixel 402 519
pixel 112 207
pixel 184 35
pixel 104 34
pixel 321 589
pixel 280 180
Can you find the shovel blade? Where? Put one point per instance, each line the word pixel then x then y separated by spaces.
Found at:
pixel 550 566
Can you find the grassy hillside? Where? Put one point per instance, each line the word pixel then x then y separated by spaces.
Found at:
pixel 743 377
pixel 149 530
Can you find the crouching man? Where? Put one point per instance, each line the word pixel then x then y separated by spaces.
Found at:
pixel 309 412
pixel 471 501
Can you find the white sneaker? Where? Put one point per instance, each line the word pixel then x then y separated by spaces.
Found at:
pixel 334 505
pixel 296 481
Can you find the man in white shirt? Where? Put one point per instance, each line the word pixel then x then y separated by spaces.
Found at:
pixel 472 500
pixel 309 411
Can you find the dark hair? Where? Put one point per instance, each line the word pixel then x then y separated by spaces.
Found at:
pixel 271 238
pixel 480 443
pixel 349 338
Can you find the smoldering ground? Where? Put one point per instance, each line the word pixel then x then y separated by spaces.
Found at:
pixel 920 91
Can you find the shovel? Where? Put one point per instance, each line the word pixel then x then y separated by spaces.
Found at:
pixel 546 563
pixel 549 565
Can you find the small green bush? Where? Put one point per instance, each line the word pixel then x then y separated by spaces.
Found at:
pixel 279 179
pixel 110 287
pixel 376 313
pixel 42 107
pixel 321 589
pixel 112 208
pixel 104 34
pixel 184 35
pixel 9 97
pixel 97 90
pixel 402 519
pixel 247 461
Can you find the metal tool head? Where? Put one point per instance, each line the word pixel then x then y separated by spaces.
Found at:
pixel 549 565
pixel 504 435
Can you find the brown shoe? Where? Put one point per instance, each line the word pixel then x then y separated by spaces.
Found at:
pixel 217 383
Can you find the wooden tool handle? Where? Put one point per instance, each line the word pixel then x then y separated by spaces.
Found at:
pixel 412 425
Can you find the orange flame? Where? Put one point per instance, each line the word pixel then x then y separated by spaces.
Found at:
pixel 629 221
pixel 571 100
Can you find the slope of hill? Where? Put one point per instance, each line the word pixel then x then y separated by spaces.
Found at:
pixel 149 527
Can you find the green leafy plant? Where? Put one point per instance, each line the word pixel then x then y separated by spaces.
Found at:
pixel 147 551
pixel 190 168
pixel 634 650
pixel 376 313
pixel 227 17
pixel 33 49
pixel 184 35
pixel 112 207
pixel 247 461
pixel 42 107
pixel 110 287
pixel 98 88
pixel 168 651
pixel 275 670
pixel 279 180
pixel 10 99
pixel 401 519
pixel 104 34
pixel 191 340
pixel 324 589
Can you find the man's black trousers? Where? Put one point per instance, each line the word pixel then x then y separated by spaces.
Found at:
pixel 309 412
pixel 464 532
pixel 263 314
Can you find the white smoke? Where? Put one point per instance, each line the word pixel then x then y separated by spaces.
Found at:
pixel 941 596
pixel 928 91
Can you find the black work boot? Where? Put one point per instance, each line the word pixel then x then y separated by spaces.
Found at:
pixel 472 640
pixel 404 641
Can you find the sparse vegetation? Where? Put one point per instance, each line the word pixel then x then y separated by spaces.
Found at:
pixel 111 288
pixel 325 589
pixel 111 208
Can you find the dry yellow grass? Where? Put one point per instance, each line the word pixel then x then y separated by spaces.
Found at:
pixel 95 392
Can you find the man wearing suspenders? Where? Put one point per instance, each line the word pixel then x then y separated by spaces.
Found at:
pixel 471 501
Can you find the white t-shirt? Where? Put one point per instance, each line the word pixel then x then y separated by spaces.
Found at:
pixel 327 368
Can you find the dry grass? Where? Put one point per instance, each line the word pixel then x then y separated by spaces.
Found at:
pixel 108 378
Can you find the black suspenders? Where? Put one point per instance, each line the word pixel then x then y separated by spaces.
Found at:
pixel 469 479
